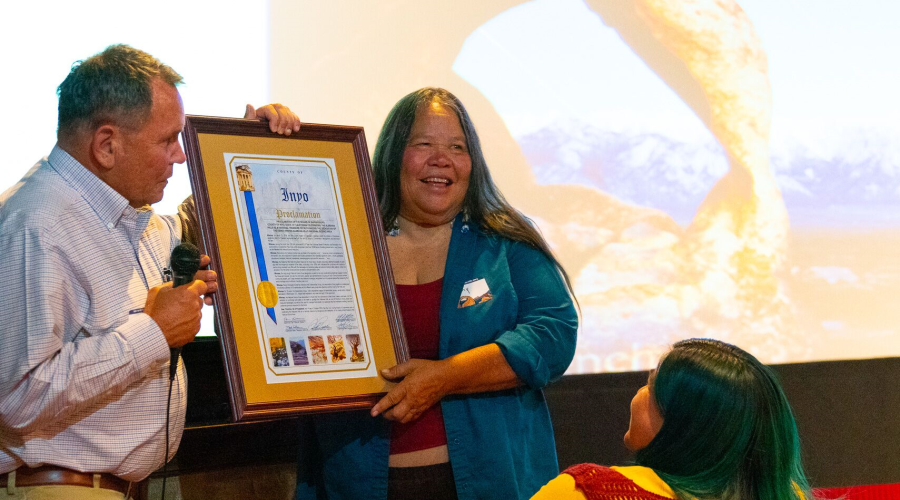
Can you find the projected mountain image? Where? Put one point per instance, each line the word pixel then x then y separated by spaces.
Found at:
pixel 856 185
pixel 834 285
pixel 648 170
pixel 695 167
pixel 771 242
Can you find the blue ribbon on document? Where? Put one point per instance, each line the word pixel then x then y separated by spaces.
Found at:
pixel 257 245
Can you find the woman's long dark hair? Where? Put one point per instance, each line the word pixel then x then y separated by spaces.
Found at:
pixel 483 204
pixel 728 431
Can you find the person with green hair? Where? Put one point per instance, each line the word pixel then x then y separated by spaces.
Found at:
pixel 711 423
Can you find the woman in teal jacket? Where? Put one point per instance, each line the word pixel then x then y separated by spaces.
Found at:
pixel 490 319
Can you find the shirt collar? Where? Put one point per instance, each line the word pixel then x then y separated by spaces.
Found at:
pixel 108 204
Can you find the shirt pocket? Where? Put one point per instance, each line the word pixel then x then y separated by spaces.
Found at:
pixel 484 309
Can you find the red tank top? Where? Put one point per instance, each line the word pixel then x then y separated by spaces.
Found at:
pixel 420 306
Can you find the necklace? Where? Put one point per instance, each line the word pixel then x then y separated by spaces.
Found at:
pixel 394 230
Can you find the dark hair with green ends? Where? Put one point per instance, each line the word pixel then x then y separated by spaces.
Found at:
pixel 483 204
pixel 728 431
pixel 114 86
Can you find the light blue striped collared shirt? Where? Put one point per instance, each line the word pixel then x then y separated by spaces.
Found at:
pixel 83 372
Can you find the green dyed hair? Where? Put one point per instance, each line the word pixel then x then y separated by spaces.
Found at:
pixel 114 86
pixel 483 203
pixel 728 431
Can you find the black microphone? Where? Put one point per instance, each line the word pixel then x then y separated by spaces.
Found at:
pixel 185 263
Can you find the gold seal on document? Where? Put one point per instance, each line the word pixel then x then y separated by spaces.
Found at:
pixel 267 294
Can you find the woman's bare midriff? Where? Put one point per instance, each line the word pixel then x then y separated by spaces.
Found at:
pixel 419 458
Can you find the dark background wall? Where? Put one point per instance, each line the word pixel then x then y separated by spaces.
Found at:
pixel 848 413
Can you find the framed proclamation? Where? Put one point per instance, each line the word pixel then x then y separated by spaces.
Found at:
pixel 306 309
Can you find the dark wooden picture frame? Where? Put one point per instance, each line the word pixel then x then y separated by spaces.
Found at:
pixel 207 142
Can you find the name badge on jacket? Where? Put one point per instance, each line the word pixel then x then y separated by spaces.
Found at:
pixel 474 292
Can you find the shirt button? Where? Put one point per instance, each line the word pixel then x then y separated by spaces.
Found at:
pixel 109 225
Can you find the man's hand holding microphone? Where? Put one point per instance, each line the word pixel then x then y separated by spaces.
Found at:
pixel 176 306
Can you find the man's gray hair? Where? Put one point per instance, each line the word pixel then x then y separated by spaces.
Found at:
pixel 114 86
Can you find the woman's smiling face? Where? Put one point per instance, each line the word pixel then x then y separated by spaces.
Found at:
pixel 434 176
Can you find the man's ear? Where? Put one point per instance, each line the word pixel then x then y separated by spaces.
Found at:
pixel 105 145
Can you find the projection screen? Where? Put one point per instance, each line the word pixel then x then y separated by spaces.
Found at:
pixel 713 168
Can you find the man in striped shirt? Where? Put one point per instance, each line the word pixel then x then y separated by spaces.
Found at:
pixel 86 321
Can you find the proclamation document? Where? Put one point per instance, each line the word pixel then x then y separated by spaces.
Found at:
pixel 300 268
